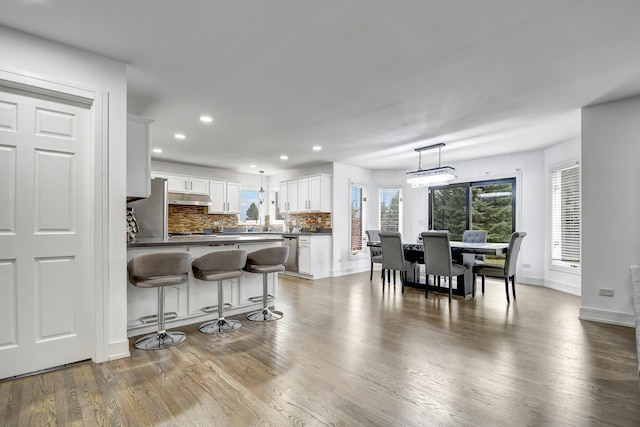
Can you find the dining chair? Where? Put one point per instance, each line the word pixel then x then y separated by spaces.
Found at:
pixel 506 271
pixel 438 259
pixel 470 236
pixel 393 257
pixel 375 252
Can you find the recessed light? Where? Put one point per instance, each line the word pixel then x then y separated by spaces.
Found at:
pixel 284 157
pixel 179 136
pixel 317 148
pixel 252 166
pixel 157 150
pixel 206 119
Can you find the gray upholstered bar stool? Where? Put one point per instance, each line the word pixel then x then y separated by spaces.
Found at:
pixel 265 261
pixel 158 270
pixel 219 266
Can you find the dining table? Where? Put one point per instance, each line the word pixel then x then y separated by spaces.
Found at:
pixel 414 251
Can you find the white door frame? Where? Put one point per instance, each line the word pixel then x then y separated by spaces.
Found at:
pixel 98 103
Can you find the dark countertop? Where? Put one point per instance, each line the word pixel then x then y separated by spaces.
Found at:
pixel 305 233
pixel 206 240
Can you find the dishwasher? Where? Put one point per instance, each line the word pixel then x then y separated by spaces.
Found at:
pixel 291 241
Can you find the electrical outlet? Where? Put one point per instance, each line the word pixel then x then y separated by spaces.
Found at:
pixel 606 292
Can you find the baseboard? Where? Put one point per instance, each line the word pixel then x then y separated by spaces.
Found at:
pixel 564 287
pixel 353 270
pixel 118 350
pixel 609 317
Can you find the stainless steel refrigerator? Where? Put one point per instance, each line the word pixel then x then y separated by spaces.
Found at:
pixel 151 213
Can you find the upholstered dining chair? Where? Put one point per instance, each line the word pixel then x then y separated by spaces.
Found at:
pixel 393 257
pixel 438 259
pixel 506 271
pixel 374 252
pixel 470 236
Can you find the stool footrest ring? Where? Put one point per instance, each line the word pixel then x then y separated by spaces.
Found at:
pixel 153 318
pixel 260 298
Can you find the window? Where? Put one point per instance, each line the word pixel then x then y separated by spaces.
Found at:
pixel 565 217
pixel 250 213
pixel 280 214
pixel 390 218
pixel 482 205
pixel 357 246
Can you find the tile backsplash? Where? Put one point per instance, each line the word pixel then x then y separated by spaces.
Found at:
pixel 194 219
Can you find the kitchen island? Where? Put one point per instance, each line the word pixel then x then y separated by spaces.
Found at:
pixel 196 301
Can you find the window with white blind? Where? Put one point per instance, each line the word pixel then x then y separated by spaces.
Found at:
pixel 357 244
pixel 390 213
pixel 565 218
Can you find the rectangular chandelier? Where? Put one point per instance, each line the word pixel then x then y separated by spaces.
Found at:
pixel 439 175
pixel 427 177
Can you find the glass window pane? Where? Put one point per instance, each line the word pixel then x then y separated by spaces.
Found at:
pixel 565 215
pixel 250 207
pixel 357 199
pixel 390 209
pixel 449 210
pixel 492 210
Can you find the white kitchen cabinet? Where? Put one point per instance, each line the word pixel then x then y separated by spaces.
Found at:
pixel 187 185
pixel 226 197
pixel 314 255
pixel 314 194
pixel 138 157
pixel 289 196
pixel 304 254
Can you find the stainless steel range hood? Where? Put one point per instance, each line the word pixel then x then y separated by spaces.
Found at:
pixel 189 199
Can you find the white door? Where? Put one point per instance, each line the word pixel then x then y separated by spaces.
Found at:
pixel 45 240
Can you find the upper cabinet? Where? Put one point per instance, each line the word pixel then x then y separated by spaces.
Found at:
pixel 289 196
pixel 226 197
pixel 314 194
pixel 138 157
pixel 310 194
pixel 182 184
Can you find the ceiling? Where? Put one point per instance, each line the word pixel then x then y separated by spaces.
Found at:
pixel 368 80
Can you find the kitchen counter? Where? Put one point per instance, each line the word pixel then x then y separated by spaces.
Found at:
pixel 206 240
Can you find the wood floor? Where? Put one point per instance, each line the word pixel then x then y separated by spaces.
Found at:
pixel 347 353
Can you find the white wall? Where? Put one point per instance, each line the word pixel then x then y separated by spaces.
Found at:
pixel 39 58
pixel 610 208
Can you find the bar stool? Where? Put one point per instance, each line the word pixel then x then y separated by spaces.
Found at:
pixel 219 266
pixel 265 261
pixel 158 270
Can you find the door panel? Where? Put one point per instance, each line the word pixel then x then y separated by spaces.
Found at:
pixel 45 239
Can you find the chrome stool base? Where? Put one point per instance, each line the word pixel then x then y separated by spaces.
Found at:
pixel 220 326
pixel 264 315
pixel 157 341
